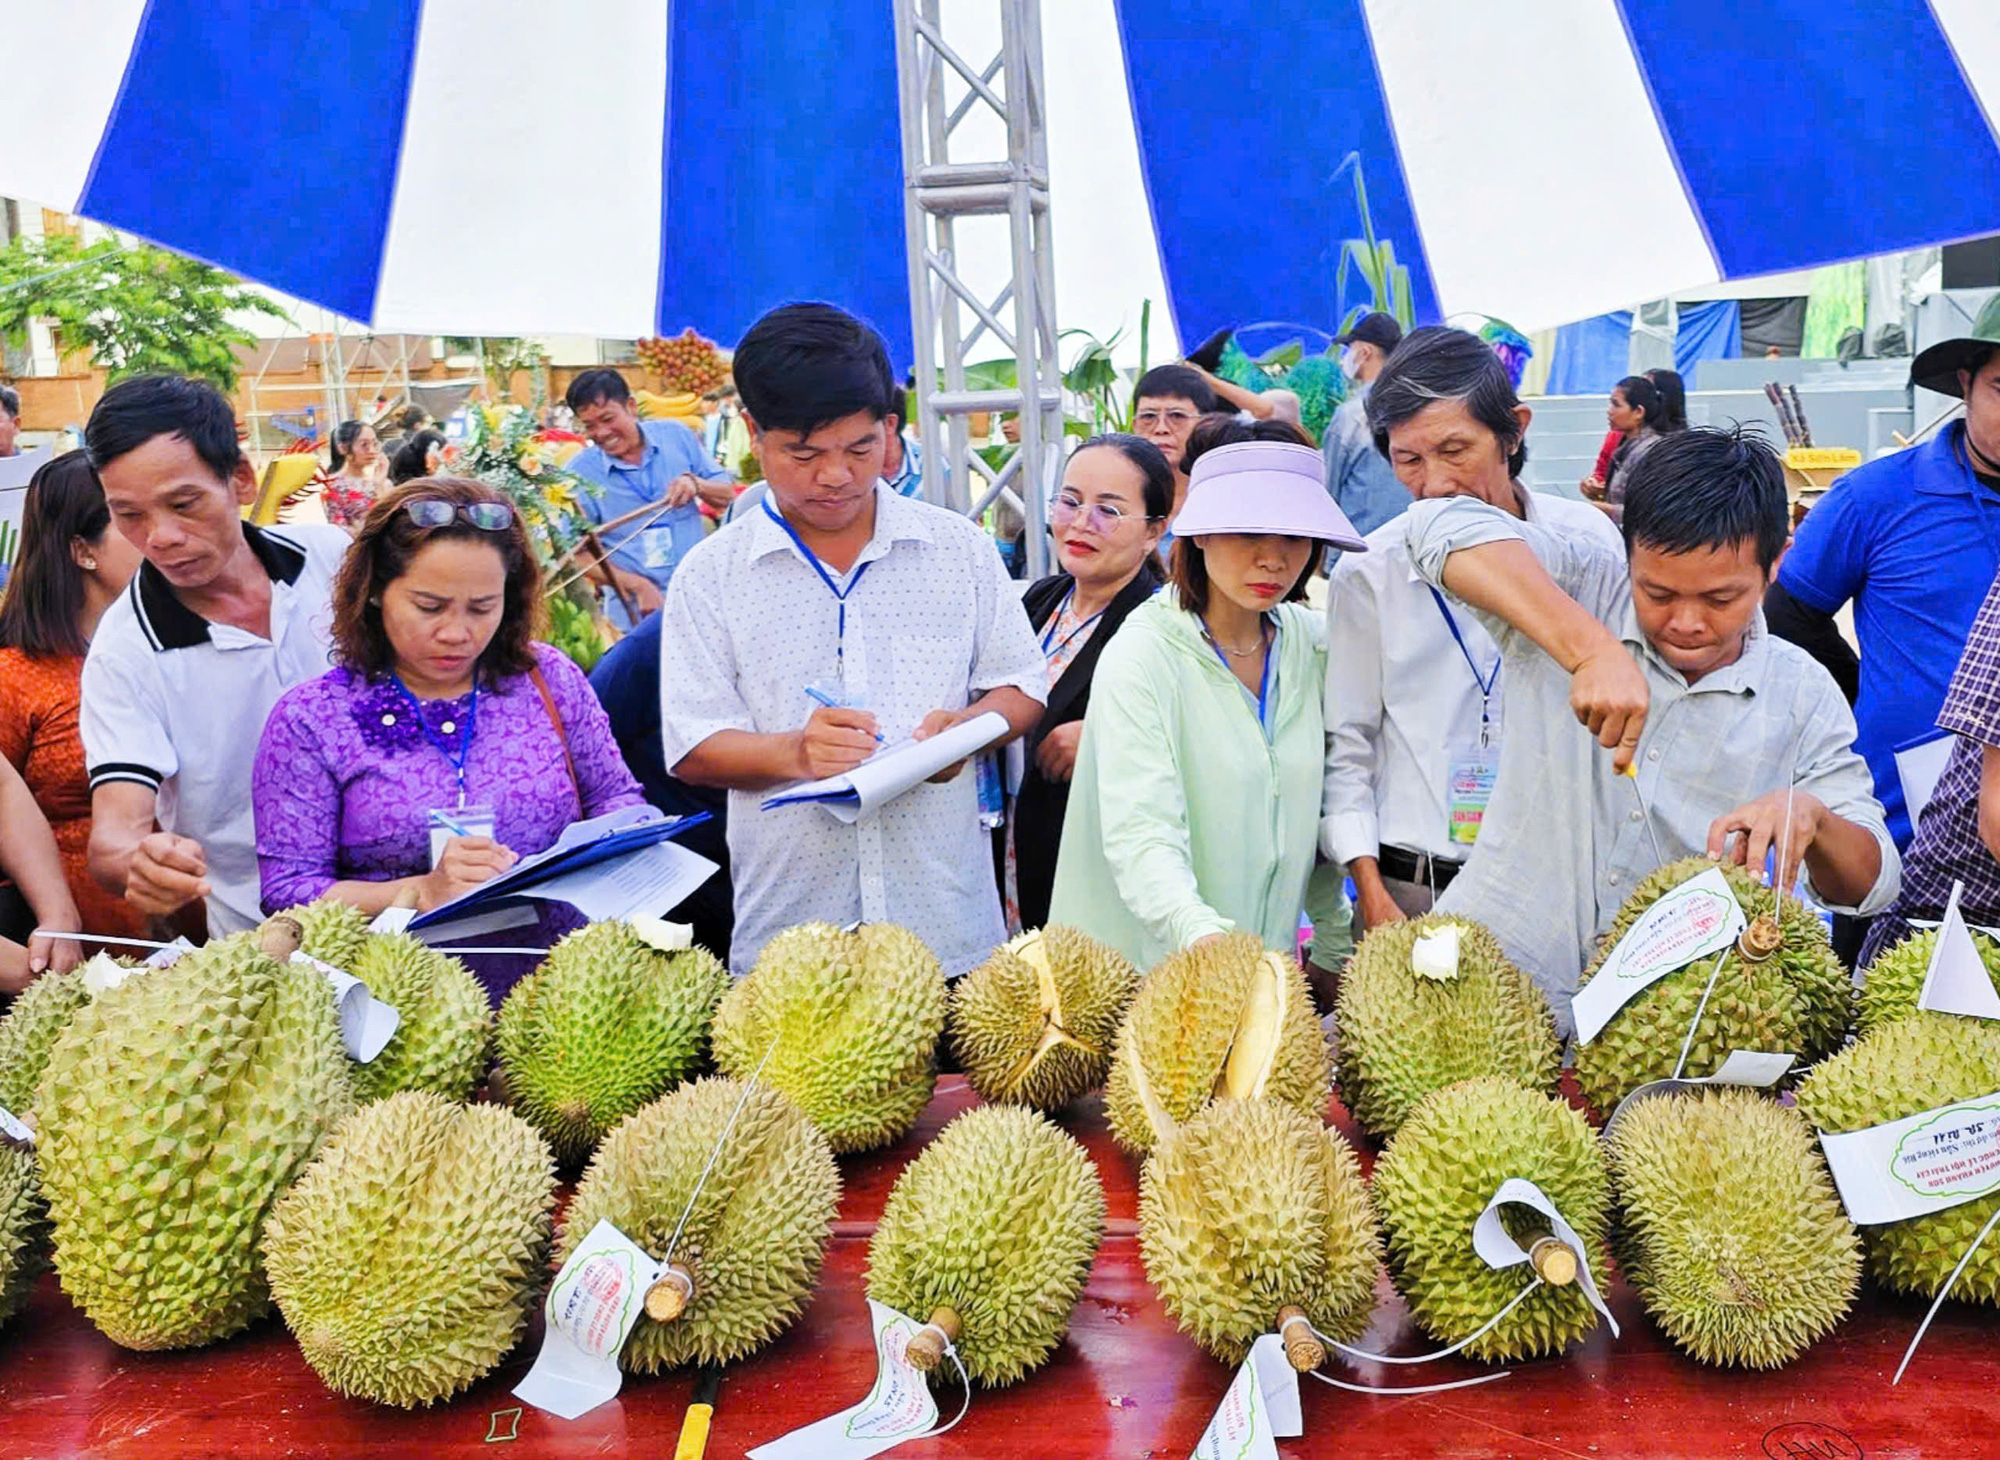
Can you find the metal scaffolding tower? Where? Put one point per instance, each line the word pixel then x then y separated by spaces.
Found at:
pixel 951 314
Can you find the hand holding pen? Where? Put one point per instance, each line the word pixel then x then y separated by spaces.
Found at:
pixel 835 739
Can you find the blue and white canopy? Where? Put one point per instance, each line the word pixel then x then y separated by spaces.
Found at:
pixel 619 166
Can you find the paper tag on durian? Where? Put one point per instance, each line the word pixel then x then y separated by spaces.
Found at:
pixel 366 1023
pixel 1923 1163
pixel 1435 953
pixel 1756 1069
pixel 1497 1249
pixel 13 1130
pixel 167 955
pixel 590 1311
pixel 392 920
pixel 1697 918
pixel 898 1408
pixel 1260 1407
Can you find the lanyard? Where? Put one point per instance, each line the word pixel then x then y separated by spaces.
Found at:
pixel 839 593
pixel 1263 683
pixel 1485 683
pixel 465 733
pixel 1074 634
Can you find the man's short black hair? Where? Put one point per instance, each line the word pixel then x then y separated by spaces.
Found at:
pixel 1437 363
pixel 1167 381
pixel 135 411
pixel 596 385
pixel 1708 487
pixel 10 401
pixel 805 365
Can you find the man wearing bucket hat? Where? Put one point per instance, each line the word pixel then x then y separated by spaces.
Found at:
pixel 1193 809
pixel 1913 541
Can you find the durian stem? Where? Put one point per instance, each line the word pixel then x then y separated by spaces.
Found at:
pixel 1304 1352
pixel 670 1293
pixel 280 937
pixel 1552 1260
pixel 1760 939
pixel 926 1351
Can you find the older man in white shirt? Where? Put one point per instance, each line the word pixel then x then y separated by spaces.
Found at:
pixel 1414 686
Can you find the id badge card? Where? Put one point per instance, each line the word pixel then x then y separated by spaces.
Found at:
pixel 1474 769
pixel 460 821
pixel 657 548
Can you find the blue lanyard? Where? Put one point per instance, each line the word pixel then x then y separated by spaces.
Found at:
pixel 1487 682
pixel 839 593
pixel 1263 683
pixel 1074 634
pixel 465 733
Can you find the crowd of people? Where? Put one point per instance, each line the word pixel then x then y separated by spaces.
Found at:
pixel 1513 706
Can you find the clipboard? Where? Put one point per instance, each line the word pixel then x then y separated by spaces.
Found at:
pixel 889 773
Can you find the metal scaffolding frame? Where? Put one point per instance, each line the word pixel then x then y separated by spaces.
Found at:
pixel 952 315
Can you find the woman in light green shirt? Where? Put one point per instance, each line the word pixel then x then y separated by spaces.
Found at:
pixel 1194 808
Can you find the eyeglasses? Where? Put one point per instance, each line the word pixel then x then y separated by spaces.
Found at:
pixel 436 512
pixel 1100 517
pixel 1148 420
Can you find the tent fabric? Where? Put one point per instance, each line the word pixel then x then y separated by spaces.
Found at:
pixel 1711 330
pixel 1592 355
pixel 1768 322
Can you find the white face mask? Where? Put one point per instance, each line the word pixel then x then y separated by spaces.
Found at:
pixel 1349 365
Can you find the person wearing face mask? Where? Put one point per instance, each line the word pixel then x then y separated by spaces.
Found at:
pixel 1191 811
pixel 1739 745
pixel 447 743
pixel 1357 478
pixel 1414 700
pixel 1106 521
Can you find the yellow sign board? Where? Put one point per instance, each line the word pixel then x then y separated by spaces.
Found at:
pixel 1822 458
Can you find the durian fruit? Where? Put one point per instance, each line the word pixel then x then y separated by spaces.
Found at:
pixel 1731 1230
pixel 441 1043
pixel 757 1232
pixel 1793 997
pixel 409 1255
pixel 1409 1025
pixel 1251 1208
pixel 29 1031
pixel 1228 1019
pixel 850 1021
pixel 990 1233
pixel 607 1023
pixel 1892 984
pixel 1443 1166
pixel 333 932
pixel 24 1234
pixel 1035 1022
pixel 175 1109
pixel 1901 1069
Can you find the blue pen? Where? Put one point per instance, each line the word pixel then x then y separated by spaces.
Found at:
pixel 820 696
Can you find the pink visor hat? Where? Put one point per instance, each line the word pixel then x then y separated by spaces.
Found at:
pixel 1264 487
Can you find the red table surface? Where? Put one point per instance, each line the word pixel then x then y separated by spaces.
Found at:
pixel 1124 1384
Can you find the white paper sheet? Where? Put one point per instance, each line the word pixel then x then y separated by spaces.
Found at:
pixel 366 1023
pixel 889 773
pixel 1956 981
pixel 1753 1068
pixel 1698 918
pixel 13 1129
pixel 1920 767
pixel 591 1308
pixel 1498 1250
pixel 899 1407
pixel 1927 1162
pixel 652 880
pixel 1260 1407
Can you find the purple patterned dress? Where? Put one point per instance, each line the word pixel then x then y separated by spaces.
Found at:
pixel 345 778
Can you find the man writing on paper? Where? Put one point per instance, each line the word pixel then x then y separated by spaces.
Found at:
pixel 1662 654
pixel 837 589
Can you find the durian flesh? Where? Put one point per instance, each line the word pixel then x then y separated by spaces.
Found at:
pixel 1035 1023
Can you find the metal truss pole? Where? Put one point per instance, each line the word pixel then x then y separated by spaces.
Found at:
pixel 954 316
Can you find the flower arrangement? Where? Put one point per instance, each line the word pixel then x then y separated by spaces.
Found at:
pixel 505 449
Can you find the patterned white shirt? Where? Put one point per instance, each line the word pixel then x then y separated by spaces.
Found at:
pixel 931 622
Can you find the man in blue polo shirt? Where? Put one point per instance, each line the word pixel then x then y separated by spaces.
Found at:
pixel 1914 541
pixel 639 464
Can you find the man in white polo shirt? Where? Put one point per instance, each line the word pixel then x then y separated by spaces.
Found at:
pixel 834 617
pixel 220 620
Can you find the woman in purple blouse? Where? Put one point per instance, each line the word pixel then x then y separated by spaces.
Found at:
pixel 444 716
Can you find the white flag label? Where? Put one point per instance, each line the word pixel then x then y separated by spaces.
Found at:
pixel 1923 1163
pixel 1696 919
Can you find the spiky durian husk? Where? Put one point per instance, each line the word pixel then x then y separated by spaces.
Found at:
pixel 175 1109
pixel 997 1219
pixel 1228 1017
pixel 408 1256
pixel 850 1021
pixel 756 1235
pixel 1443 1166
pixel 331 931
pixel 606 1024
pixel 1251 1206
pixel 24 1229
pixel 1035 1023
pixel 1892 984
pixel 1403 1035
pixel 441 1043
pixel 1901 1069
pixel 1730 1228
pixel 1798 1001
pixel 37 1016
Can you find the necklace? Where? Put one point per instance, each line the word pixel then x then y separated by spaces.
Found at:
pixel 1237 653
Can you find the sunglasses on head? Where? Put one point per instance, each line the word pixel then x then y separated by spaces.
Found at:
pixel 436 512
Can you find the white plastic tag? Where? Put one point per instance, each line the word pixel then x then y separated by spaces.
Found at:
pixel 1260 1406
pixel 1498 1250
pixel 1698 918
pixel 1435 954
pixel 366 1023
pixel 1755 1068
pixel 659 933
pixel 591 1308
pixel 1957 981
pixel 898 1408
pixel 12 1129
pixel 1923 1163
pixel 166 957
pixel 392 920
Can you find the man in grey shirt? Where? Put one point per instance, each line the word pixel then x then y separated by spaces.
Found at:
pixel 1662 654
pixel 1358 477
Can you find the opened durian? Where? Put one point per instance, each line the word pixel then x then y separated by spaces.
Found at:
pixel 990 1233
pixel 1892 984
pixel 753 1240
pixel 1428 1002
pixel 1730 1229
pixel 606 1024
pixel 850 1023
pixel 1252 1208
pixel 1034 1024
pixel 1783 991
pixel 409 1255
pixel 446 1024
pixel 1223 1020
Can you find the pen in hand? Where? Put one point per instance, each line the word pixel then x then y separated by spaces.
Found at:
pixel 827 701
